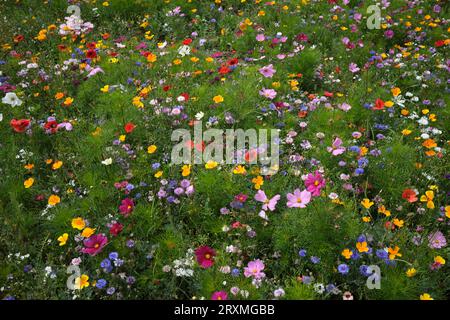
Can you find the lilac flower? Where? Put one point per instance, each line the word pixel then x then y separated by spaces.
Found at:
pixel 267 71
pixel 437 240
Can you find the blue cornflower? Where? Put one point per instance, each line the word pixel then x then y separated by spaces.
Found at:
pixel 343 268
pixel 302 253
pixel 101 283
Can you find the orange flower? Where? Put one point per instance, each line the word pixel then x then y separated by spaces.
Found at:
pixel 394 252
pixel 362 246
pixel 53 200
pixel 429 143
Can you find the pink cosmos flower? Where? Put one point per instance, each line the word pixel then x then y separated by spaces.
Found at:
pixel 437 240
pixel 94 244
pixel 260 37
pixel 336 148
pixel 254 269
pixel 219 295
pixel 353 67
pixel 205 256
pixel 268 204
pixel 268 93
pixel 314 183
pixel 298 199
pixel 267 71
pixel 126 207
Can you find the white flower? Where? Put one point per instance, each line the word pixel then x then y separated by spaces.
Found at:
pixel 184 51
pixel 11 99
pixel 279 292
pixel 107 162
pixel 199 115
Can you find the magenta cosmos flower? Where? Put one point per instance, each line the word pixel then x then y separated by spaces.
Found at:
pixel 254 269
pixel 267 71
pixel 314 183
pixel 219 295
pixel 205 256
pixel 94 244
pixel 298 199
pixel 126 207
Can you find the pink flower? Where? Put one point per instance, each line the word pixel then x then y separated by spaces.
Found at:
pixel 268 93
pixel 126 207
pixel 267 71
pixel 260 37
pixel 336 148
pixel 254 269
pixel 314 183
pixel 298 199
pixel 353 67
pixel 205 256
pixel 94 244
pixel 268 204
pixel 219 295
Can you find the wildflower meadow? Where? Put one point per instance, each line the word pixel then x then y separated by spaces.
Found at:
pixel 224 150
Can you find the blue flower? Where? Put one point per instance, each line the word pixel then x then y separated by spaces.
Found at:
pixel 101 283
pixel 302 253
pixel 113 255
pixel 382 254
pixel 315 259
pixel 343 268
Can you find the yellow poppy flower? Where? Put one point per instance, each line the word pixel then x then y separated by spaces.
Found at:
pixel 54 200
pixel 82 282
pixel 186 170
pixel 63 239
pixel 78 223
pixel 425 296
pixel 87 232
pixel 347 253
pixel 366 203
pixel 28 183
pixel 211 164
pixel 151 149
pixel 218 99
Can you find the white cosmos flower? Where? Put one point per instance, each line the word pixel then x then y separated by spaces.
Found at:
pixel 184 50
pixel 11 99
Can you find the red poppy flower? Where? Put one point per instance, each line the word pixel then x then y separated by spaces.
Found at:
pixel 185 95
pixel 187 41
pixel 409 195
pixel 439 43
pixel 379 105
pixel 166 88
pixel 233 62
pixel 51 126
pixel 224 70
pixel 91 45
pixel 328 94
pixel 20 125
pixel 19 38
pixel 129 127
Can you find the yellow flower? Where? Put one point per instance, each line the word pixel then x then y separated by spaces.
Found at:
pixel 366 219
pixel 211 164
pixel 428 198
pixel 398 223
pixel 151 57
pixel 382 209
pixel 347 253
pixel 87 232
pixel 82 282
pixel 158 174
pixel 239 170
pixel 447 211
pixel 68 101
pixel 122 137
pixel 439 259
pixel 53 200
pixel 29 166
pixel 105 89
pixel 425 296
pixel 59 95
pixel 366 203
pixel 362 246
pixel 406 132
pixel 186 170
pixel 78 223
pixel 137 102
pixel 151 149
pixel 396 91
pixel 218 99
pixel 411 272
pixel 177 62
pixel 105 4
pixel 28 183
pixel 388 104
pixel 57 164
pixel 258 181
pixel 63 239
pixel 394 252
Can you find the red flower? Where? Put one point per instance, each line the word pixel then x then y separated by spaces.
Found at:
pixel 233 62
pixel 185 95
pixel 51 126
pixel 187 41
pixel 205 256
pixel 129 127
pixel 91 45
pixel 115 228
pixel 439 43
pixel 379 105
pixel 166 88
pixel 224 70
pixel 409 195
pixel 94 244
pixel 20 125
pixel 91 54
